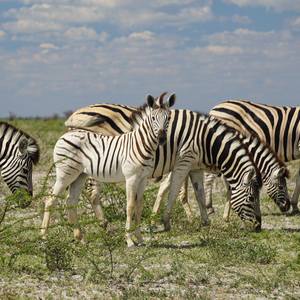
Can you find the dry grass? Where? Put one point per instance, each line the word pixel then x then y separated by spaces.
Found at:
pixel 220 261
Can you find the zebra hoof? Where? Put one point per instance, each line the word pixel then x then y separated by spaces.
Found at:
pixel 294 212
pixel 205 223
pixel 131 247
pixel 104 224
pixel 210 211
pixel 167 225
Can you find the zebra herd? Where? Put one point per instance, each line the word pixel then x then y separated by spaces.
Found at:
pixel 245 142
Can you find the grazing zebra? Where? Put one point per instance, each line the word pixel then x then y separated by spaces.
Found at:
pixel 195 142
pixel 18 151
pixel 276 126
pixel 273 171
pixel 128 157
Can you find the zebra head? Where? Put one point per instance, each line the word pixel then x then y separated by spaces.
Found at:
pixel 17 170
pixel 245 199
pixel 277 189
pixel 160 115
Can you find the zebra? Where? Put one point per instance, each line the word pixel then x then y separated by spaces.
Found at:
pixel 273 171
pixel 276 126
pixel 128 157
pixel 190 148
pixel 18 152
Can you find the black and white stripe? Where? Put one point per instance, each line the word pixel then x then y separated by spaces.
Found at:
pixel 18 151
pixel 276 126
pixel 128 157
pixel 195 142
pixel 273 171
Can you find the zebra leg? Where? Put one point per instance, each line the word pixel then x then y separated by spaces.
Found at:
pixel 72 202
pixel 295 197
pixel 131 193
pixel 197 181
pixel 138 210
pixel 50 202
pixel 177 177
pixel 163 188
pixel 61 183
pixel 96 203
pixel 227 207
pixel 208 186
pixel 183 197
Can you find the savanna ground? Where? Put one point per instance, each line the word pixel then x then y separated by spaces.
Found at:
pixel 221 261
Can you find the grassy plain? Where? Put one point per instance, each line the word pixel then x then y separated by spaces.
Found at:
pixel 221 261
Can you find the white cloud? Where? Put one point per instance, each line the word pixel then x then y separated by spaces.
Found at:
pixel 223 50
pixel 67 61
pixel 81 33
pixel 42 15
pixel 2 34
pixel 241 19
pixel 279 5
pixel 295 23
pixel 145 35
pixel 48 46
pixel 31 26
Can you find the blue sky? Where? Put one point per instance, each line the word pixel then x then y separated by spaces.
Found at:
pixel 59 55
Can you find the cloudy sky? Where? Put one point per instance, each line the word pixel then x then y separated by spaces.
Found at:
pixel 59 55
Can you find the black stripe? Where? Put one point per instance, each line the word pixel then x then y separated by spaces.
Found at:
pixel 96 151
pixel 117 110
pixel 103 120
pixel 294 134
pixel 277 130
pixel 78 148
pixel 287 132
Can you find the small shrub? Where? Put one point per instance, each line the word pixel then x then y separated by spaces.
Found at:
pixel 58 251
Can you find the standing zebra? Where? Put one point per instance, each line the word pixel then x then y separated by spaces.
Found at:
pixel 128 157
pixel 195 142
pixel 18 151
pixel 276 126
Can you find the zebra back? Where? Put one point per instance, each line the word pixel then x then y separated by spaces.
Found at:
pixel 276 126
pixel 107 119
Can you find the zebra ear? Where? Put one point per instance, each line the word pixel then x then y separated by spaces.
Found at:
pixel 150 101
pixel 171 100
pixel 23 145
pixel 249 176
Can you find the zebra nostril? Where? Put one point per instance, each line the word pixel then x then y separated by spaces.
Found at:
pixel 162 137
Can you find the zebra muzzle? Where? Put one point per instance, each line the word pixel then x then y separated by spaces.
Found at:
pixel 285 207
pixel 162 137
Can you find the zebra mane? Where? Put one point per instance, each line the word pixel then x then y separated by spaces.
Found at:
pixel 235 137
pixel 32 148
pixel 253 135
pixel 137 116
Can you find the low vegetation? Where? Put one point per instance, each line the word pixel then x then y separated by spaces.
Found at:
pixel 219 261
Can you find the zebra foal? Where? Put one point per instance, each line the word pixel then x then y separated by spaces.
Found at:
pixel 128 157
pixel 18 152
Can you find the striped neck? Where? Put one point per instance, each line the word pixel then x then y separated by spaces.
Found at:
pixel 224 151
pixel 145 133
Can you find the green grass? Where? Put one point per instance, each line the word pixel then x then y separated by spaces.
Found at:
pixel 190 261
